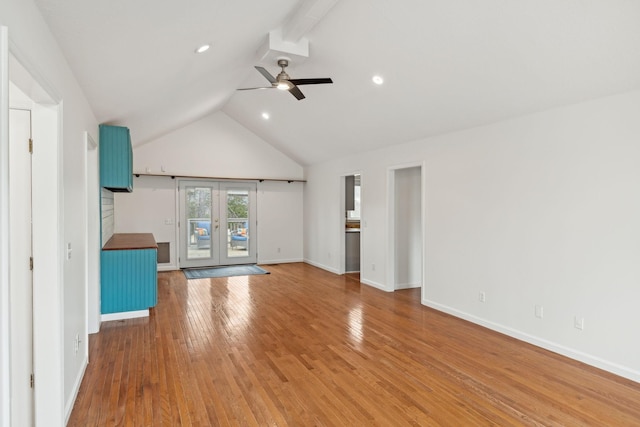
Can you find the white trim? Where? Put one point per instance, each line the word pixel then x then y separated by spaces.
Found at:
pixel 91 143
pixel 76 388
pixel 125 315
pixel 322 266
pixel 615 368
pixel 279 261
pixel 400 286
pixel 391 221
pixel 48 254
pixel 5 398
pixel 376 285
pixel 342 246
pixel 92 238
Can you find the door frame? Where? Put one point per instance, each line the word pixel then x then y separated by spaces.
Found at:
pixel 92 218
pixel 342 263
pixel 48 232
pixel 391 275
pixel 5 371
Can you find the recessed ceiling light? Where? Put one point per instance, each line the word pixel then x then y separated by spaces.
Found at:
pixel 378 80
pixel 265 116
pixel 203 48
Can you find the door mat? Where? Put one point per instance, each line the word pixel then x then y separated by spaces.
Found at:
pixel 228 271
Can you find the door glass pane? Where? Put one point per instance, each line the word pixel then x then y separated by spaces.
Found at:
pixel 198 209
pixel 237 223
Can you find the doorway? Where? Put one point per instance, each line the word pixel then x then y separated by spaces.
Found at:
pixel 20 259
pixel 352 204
pixel 217 223
pixel 406 226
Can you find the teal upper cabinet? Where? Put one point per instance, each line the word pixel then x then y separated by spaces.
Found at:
pixel 116 158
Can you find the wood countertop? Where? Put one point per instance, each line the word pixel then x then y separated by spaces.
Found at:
pixel 124 241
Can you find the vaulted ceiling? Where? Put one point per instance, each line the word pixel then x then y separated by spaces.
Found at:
pixel 446 64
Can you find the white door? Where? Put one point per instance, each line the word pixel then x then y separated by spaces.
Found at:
pixel 217 223
pixel 20 276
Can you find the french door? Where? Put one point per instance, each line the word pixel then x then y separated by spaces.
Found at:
pixel 217 223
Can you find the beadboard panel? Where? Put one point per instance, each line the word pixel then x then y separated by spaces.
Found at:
pixel 108 218
pixel 129 280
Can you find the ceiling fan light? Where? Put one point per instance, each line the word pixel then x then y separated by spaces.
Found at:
pixel 284 85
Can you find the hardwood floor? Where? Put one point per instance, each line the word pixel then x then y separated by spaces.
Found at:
pixel 303 347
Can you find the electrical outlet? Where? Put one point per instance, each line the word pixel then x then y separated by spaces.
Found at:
pixel 482 297
pixel 76 344
pixel 278 250
pixel 539 311
pixel 373 267
pixel 578 322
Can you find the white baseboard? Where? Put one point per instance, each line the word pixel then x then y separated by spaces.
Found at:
pixel 68 407
pixel 125 315
pixel 167 267
pixel 375 285
pixel 400 286
pixel 322 266
pixel 597 362
pixel 279 261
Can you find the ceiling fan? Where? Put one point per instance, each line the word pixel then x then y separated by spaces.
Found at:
pixel 283 82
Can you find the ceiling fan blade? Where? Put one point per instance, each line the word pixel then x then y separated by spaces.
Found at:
pixel 296 92
pixel 266 74
pixel 254 88
pixel 298 82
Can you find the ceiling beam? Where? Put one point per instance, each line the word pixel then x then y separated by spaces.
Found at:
pixel 304 18
pixel 289 41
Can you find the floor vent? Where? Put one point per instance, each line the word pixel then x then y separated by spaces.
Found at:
pixel 164 254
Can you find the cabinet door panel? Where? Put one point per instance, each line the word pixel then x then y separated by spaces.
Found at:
pixel 129 280
pixel 116 158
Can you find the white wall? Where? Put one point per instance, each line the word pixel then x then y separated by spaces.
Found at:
pixel 64 315
pixel 147 208
pixel 539 210
pixel 215 146
pixel 279 222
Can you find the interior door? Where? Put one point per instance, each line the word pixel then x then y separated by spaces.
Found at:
pixel 217 223
pixel 21 277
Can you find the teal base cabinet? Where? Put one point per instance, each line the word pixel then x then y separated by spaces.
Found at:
pixel 129 280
